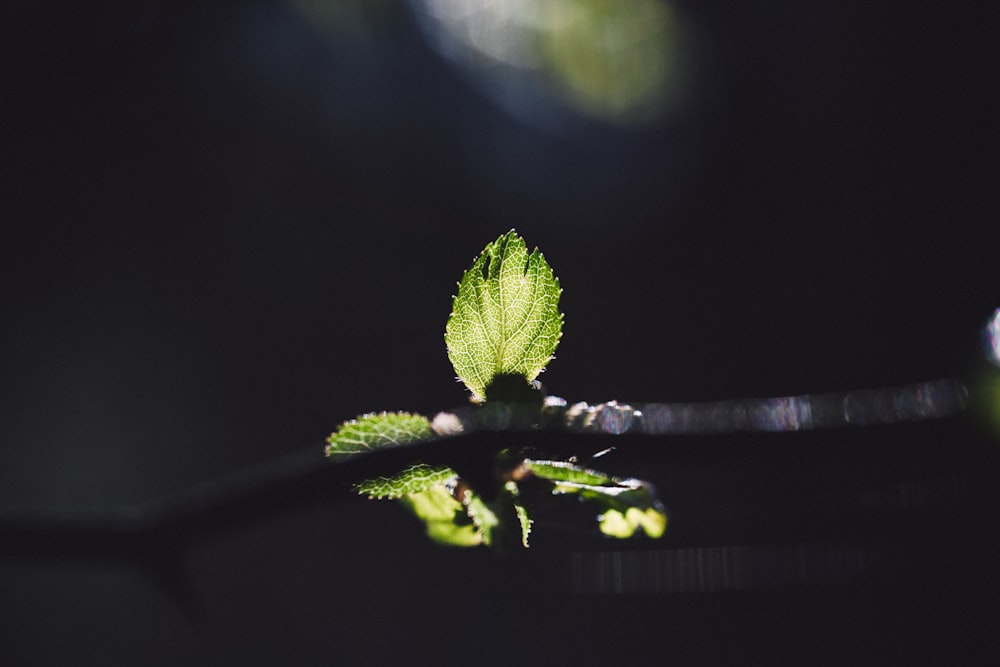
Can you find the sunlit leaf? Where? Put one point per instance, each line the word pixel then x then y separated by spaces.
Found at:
pixel 564 471
pixel 465 521
pixel 623 505
pixel 418 477
pixel 614 523
pixel 521 511
pixel 482 516
pixel 376 431
pixel 445 518
pixel 505 318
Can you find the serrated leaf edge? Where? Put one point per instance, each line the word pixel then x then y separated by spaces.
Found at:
pixel 433 476
pixel 496 253
pixel 345 427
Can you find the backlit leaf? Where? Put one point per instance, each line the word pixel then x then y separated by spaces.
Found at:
pixel 623 505
pixel 444 517
pixel 505 318
pixel 418 477
pixel 375 431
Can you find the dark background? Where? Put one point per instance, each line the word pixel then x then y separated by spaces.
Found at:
pixel 226 229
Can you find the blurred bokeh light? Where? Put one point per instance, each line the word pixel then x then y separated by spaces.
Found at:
pixel 620 63
pixel 989 381
pixel 991 338
pixel 344 16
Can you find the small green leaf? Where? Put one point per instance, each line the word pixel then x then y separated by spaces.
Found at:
pixel 463 521
pixel 624 505
pixel 445 517
pixel 505 318
pixel 521 511
pixel 564 471
pixel 482 516
pixel 616 524
pixel 375 431
pixel 418 477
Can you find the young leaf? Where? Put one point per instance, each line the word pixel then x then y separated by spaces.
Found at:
pixel 370 432
pixel 615 523
pixel 444 517
pixel 521 510
pixel 505 318
pixel 416 478
pixel 625 505
pixel 483 516
pixel 459 523
pixel 564 471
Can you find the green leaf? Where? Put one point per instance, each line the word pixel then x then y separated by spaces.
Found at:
pixel 465 521
pixel 520 510
pixel 375 431
pixel 624 505
pixel 614 523
pixel 418 477
pixel 445 517
pixel 505 318
pixel 482 516
pixel 564 471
